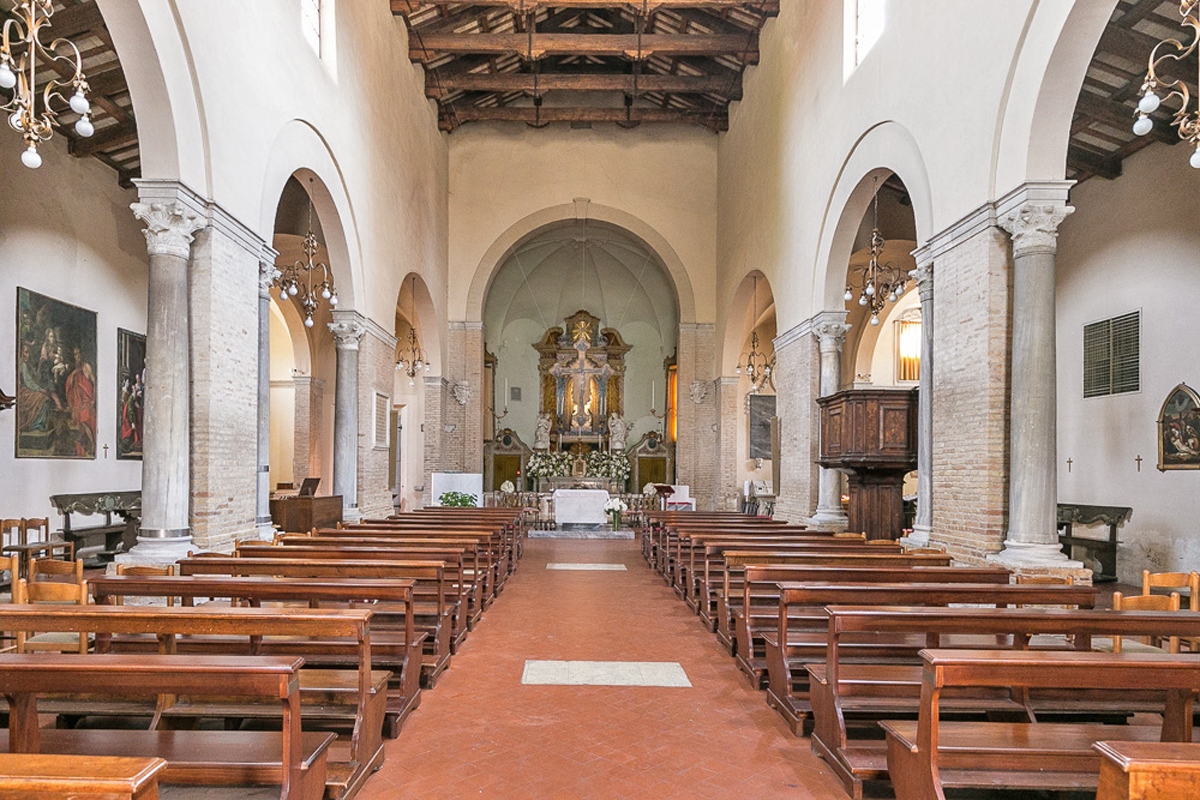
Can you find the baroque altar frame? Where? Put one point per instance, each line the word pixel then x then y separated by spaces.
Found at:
pixel 581 350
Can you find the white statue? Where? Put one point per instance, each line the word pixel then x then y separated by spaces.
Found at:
pixel 541 434
pixel 616 432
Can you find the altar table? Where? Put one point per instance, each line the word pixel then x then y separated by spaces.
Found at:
pixel 580 507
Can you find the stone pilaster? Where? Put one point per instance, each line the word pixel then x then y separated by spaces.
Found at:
pixel 463 406
pixel 830 329
pixel 165 530
pixel 923 525
pixel 727 489
pixel 697 414
pixel 310 395
pixel 376 377
pixel 347 333
pixel 267 275
pixel 1032 539
pixel 436 393
pixel 796 379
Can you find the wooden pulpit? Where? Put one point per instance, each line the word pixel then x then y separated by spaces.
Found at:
pixel 871 435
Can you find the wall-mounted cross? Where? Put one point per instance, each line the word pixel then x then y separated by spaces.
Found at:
pixel 1069 463
pixel 106 451
pixel 1139 462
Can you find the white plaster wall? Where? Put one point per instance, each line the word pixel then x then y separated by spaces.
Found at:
pixel 410 402
pixel 666 176
pixel 66 232
pixel 1131 244
pixel 282 400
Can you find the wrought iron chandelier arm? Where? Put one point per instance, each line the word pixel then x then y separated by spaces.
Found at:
pixel 1186 119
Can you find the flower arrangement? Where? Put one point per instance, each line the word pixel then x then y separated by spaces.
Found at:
pixel 615 507
pixel 546 465
pixel 649 491
pixel 507 487
pixel 458 500
pixel 614 466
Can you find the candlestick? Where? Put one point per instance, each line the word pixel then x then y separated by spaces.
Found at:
pixel 653 392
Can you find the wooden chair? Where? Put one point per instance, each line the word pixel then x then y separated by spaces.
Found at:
pixel 1153 602
pixel 146 571
pixel 1188 581
pixel 55 592
pixel 36 541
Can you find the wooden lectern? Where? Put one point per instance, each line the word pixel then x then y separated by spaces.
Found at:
pixel 871 435
pixel 302 514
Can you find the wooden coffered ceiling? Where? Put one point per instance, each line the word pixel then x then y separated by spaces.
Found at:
pixel 115 142
pixel 1102 130
pixel 584 61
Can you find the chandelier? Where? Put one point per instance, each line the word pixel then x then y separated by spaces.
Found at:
pixel 18 73
pixel 877 284
pixel 1186 120
pixel 756 364
pixel 411 358
pixel 296 281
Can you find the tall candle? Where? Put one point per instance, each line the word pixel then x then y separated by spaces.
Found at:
pixel 506 392
pixel 653 391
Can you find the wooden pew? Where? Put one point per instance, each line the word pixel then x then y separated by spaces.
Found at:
pixel 1148 770
pixel 854 686
pixel 395 645
pixel 431 616
pixel 30 776
pixel 660 523
pixel 787 679
pixel 296 760
pixel 678 541
pixel 928 755
pixel 665 544
pixel 494 539
pixel 733 562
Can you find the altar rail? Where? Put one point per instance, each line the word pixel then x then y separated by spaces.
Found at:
pixel 539 508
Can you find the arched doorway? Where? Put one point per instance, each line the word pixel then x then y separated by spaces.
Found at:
pixel 418 361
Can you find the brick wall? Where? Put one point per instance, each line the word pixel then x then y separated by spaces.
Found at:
pixel 797 372
pixel 696 446
pixel 726 392
pixel 971 356
pixel 436 394
pixel 224 364
pixel 376 371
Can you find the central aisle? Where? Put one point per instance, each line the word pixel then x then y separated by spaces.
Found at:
pixel 482 733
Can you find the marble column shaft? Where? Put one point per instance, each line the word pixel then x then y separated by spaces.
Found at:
pixel 1033 461
pixel 347 333
pixel 830 328
pixel 267 274
pixel 165 461
pixel 923 275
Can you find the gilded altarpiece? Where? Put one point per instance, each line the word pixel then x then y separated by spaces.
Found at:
pixel 581 370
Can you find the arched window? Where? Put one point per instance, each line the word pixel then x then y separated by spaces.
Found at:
pixel 865 20
pixel 310 23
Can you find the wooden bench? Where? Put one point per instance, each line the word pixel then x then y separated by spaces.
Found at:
pixel 663 525
pixel 872 669
pixel 495 540
pixel 351 699
pixel 1148 770
pixel 432 614
pixel 395 645
pixel 787 679
pixel 296 760
pixel 930 754
pixel 29 776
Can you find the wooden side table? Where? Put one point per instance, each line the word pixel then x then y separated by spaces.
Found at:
pixel 1148 770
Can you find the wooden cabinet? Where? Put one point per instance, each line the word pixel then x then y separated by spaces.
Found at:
pixel 871 435
pixel 302 514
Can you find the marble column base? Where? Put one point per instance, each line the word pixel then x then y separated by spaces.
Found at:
pixel 919 537
pixel 266 531
pixel 1025 554
pixel 157 551
pixel 352 515
pixel 829 518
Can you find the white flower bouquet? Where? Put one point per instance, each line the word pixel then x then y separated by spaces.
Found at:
pixel 507 487
pixel 616 504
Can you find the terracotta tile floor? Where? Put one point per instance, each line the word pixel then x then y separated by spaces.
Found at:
pixel 481 733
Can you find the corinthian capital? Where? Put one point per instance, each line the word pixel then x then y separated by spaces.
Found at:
pixel 169 227
pixel 267 275
pixel 830 328
pixel 1034 226
pixel 923 275
pixel 347 334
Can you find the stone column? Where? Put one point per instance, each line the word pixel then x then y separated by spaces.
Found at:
pixel 165 533
pixel 830 328
pixel 796 381
pixel 1032 539
pixel 347 333
pixel 923 524
pixel 267 275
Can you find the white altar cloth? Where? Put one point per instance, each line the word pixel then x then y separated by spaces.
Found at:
pixel 580 507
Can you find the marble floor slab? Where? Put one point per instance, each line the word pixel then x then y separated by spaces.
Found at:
pixel 588 567
pixel 605 673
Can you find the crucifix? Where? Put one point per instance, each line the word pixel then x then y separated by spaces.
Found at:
pixel 1139 462
pixel 581 369
pixel 1069 463
pixel 106 451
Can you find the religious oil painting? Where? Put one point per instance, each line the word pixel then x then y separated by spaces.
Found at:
pixel 56 378
pixel 762 408
pixel 1179 430
pixel 131 393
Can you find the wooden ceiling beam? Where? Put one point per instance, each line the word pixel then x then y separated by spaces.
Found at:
pixel 111 136
pixel 1101 109
pixel 74 20
pixel 528 114
pixel 1083 160
pixel 425 46
pixel 556 81
pixel 769 7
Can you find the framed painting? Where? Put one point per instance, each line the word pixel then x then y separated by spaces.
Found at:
pixel 1179 430
pixel 56 378
pixel 762 408
pixel 131 393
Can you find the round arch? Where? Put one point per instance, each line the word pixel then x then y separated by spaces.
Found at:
pixel 533 224
pixel 299 151
pixel 427 321
pixel 732 331
pixel 170 124
pixel 1044 84
pixel 884 150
